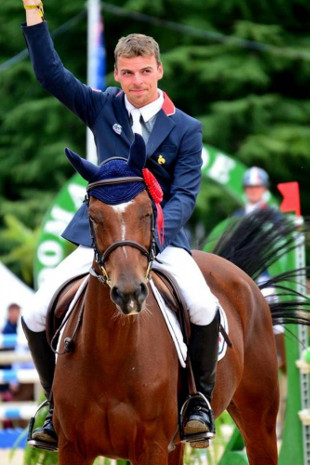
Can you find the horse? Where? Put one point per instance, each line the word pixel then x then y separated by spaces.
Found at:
pixel 117 391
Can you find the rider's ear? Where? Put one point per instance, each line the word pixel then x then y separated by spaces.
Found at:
pixel 137 154
pixel 84 167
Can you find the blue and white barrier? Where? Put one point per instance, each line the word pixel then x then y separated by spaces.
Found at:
pixel 9 437
pixel 8 340
pixel 17 410
pixel 22 371
pixel 7 357
pixel 21 376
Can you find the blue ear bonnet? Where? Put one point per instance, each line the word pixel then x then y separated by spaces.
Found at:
pixel 115 194
pixel 114 168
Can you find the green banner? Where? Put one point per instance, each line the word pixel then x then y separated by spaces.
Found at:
pixel 52 248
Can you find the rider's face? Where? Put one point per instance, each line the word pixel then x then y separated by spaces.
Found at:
pixel 254 194
pixel 138 77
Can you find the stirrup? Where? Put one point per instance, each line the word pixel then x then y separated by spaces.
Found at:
pixel 203 437
pixel 36 443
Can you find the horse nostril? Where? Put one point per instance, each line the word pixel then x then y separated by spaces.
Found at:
pixel 141 293
pixel 116 295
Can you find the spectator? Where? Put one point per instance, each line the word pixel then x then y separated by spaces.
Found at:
pixel 10 327
pixel 12 319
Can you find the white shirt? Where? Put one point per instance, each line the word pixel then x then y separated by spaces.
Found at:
pixel 149 110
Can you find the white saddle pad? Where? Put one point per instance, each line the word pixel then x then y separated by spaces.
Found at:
pixel 175 330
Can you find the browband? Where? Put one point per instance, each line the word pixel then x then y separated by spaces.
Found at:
pixel 106 182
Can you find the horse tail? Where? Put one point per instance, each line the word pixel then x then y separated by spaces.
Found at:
pixel 287 304
pixel 254 243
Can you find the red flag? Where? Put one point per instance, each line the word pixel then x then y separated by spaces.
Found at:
pixel 291 199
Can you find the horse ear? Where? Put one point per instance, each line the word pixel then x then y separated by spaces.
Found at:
pixel 84 167
pixel 137 153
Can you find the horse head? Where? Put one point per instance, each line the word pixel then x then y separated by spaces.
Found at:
pixel 121 217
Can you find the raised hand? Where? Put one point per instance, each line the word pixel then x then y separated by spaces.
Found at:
pixel 34 11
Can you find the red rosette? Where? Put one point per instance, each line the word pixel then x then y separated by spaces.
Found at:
pixel 156 194
pixel 152 185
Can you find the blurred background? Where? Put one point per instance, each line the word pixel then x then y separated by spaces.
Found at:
pixel 241 67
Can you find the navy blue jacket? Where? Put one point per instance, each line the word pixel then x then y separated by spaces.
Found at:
pixel 176 138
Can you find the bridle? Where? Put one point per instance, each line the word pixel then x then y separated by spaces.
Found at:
pixel 101 257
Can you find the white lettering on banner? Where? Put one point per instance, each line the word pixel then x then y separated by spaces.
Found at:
pixel 220 170
pixel 205 157
pixel 77 194
pixel 58 222
pixel 50 253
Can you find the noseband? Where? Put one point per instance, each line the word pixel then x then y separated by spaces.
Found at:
pixel 100 258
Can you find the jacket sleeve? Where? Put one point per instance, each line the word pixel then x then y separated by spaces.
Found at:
pixel 185 184
pixel 54 77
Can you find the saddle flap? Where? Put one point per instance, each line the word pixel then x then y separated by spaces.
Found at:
pixel 60 303
pixel 170 292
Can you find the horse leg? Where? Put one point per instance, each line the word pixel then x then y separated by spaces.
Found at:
pixel 176 456
pixel 259 437
pixel 254 408
pixel 156 453
pixel 69 454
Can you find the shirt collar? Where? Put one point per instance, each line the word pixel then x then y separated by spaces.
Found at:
pixel 149 110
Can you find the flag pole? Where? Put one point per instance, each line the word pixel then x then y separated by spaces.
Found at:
pixel 93 9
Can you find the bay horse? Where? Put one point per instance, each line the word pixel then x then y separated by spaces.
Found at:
pixel 116 393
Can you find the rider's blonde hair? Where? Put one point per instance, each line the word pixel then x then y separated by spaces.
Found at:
pixel 136 45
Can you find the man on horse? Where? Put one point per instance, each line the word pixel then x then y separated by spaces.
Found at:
pixel 173 143
pixel 255 184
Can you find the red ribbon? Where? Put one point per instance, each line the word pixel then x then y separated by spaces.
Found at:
pixel 156 194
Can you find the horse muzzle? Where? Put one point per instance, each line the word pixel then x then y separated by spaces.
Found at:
pixel 130 302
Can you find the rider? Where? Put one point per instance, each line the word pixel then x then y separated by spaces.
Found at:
pixel 255 183
pixel 174 143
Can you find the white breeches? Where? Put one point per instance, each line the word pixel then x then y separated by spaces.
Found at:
pixel 201 303
pixel 78 262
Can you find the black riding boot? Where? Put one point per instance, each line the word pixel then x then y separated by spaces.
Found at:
pixel 203 352
pixel 44 360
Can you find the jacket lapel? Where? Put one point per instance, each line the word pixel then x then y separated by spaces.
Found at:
pixel 163 126
pixel 122 117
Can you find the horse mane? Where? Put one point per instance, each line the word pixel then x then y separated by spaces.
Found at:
pixel 254 243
